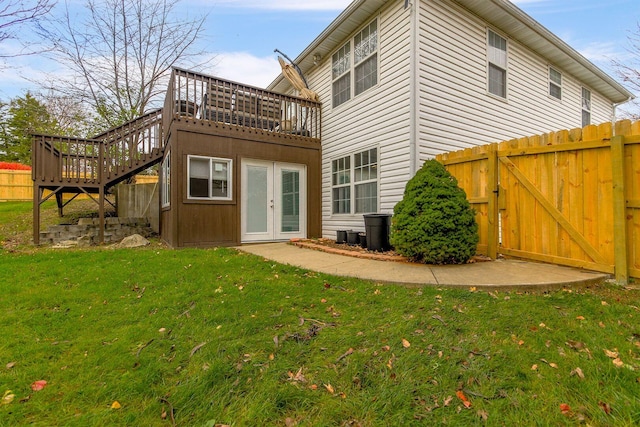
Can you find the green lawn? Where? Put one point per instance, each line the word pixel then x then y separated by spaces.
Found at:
pixel 207 337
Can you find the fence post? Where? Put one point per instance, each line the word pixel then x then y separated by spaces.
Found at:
pixel 492 195
pixel 619 211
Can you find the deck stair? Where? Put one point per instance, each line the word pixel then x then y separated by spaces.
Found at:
pixel 66 165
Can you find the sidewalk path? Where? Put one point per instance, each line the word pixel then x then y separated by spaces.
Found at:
pixel 500 274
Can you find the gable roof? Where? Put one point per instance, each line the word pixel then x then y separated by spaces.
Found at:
pixel 501 14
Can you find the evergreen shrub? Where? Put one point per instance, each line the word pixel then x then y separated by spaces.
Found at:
pixel 434 223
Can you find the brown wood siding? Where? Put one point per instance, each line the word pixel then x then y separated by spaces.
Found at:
pixel 190 223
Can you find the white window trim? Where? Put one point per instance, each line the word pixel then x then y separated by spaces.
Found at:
pixel 352 183
pixel 588 110
pixel 229 163
pixel 353 65
pixel 504 67
pixel 165 194
pixel 553 83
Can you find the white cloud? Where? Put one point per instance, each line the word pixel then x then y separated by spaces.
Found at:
pixel 287 4
pixel 246 68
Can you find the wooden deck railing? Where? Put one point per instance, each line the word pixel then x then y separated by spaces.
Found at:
pixel 203 97
pixel 100 161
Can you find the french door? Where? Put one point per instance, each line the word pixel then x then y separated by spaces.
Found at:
pixel 274 201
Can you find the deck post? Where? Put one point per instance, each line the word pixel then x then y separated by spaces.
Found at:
pixel 101 184
pixel 36 213
pixel 60 204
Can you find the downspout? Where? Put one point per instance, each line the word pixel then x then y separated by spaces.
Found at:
pixel 414 152
pixel 614 117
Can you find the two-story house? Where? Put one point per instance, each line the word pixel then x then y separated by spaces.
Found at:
pixel 402 81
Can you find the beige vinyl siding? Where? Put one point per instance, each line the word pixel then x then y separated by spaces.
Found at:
pixel 456 110
pixel 379 117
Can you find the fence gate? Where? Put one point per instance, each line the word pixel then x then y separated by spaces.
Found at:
pixel 568 197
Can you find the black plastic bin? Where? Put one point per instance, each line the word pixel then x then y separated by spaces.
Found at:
pixel 377 227
pixel 341 236
pixel 353 238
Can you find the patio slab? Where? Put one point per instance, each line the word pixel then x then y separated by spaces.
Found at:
pixel 499 274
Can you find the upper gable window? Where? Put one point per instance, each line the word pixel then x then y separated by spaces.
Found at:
pixel 357 69
pixel 555 83
pixel 497 64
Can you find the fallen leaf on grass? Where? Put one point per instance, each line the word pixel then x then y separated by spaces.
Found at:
pixel 196 348
pixel 447 401
pixel 580 318
pixel 298 377
pixel 405 343
pixel 618 362
pixel 534 367
pixel 553 365
pixel 10 365
pixel 483 414
pixel 578 372
pixel 565 409
pixel 611 354
pixel 116 405
pixel 604 303
pixel 605 407
pixel 329 388
pixel 7 398
pixel 38 385
pixel 465 401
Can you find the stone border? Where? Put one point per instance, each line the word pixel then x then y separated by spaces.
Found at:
pixel 308 243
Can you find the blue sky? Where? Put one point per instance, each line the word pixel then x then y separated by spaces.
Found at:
pixel 242 34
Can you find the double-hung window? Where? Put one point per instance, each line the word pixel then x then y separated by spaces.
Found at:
pixel 355 71
pixel 165 194
pixel 497 64
pixel 209 178
pixel 555 83
pixel 365 58
pixel 586 107
pixel 355 183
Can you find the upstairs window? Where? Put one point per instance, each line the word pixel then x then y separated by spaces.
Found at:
pixel 586 107
pixel 355 71
pixel 365 58
pixel 555 83
pixel 342 75
pixel 209 178
pixel 497 64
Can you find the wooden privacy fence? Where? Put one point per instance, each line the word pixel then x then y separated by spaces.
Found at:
pixel 567 197
pixel 15 185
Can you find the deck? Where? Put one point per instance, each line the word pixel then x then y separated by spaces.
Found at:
pixel 92 166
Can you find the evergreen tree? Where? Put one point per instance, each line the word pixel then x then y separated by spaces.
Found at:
pixel 19 119
pixel 434 222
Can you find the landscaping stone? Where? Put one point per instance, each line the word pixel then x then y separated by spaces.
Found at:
pixel 134 241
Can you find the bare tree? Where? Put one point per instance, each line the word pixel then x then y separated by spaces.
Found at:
pixel 15 13
pixel 629 72
pixel 120 55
